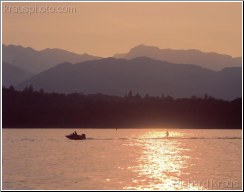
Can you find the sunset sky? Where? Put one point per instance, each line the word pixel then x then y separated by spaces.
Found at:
pixel 104 29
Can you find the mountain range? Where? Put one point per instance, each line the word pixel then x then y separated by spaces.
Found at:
pixel 34 61
pixel 213 61
pixel 144 70
pixel 140 75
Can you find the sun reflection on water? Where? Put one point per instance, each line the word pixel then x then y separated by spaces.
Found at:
pixel 161 164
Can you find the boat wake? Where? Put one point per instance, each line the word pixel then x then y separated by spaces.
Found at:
pixel 161 138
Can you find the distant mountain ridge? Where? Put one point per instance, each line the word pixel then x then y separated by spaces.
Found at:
pixel 13 75
pixel 213 61
pixel 145 69
pixel 35 61
pixel 140 75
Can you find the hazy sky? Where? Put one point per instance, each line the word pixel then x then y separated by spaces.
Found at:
pixel 104 29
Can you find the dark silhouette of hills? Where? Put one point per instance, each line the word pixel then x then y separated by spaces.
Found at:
pixel 13 75
pixel 35 61
pixel 37 109
pixel 141 75
pixel 213 61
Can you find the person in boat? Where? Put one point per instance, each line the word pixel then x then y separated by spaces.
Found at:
pixel 167 133
pixel 83 136
pixel 75 133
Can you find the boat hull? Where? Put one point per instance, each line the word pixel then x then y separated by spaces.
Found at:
pixel 76 137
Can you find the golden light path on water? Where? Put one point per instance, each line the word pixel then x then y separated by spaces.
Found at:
pixel 162 163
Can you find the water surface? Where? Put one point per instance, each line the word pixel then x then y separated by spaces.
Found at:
pixel 122 159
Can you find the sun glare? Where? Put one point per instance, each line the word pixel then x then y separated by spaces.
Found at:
pixel 162 163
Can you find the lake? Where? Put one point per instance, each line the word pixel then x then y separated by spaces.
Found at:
pixel 125 159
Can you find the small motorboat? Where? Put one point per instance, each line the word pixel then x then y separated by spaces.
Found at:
pixel 75 136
